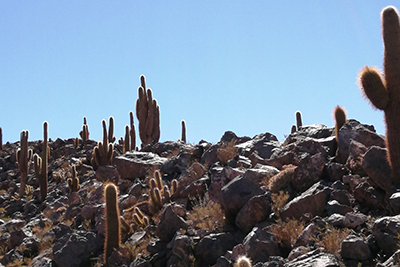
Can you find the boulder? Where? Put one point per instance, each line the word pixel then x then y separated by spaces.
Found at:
pixel 259 245
pixel 169 224
pixel 314 258
pixel 308 171
pixel 354 247
pixel 386 231
pixel 376 166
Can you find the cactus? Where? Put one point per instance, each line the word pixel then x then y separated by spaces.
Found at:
pixel 73 182
pixel 294 129
pixel 243 261
pixel 85 131
pixel 113 231
pixel 1 139
pixel 183 138
pixel 41 164
pixel 340 119
pixel 384 93
pixel 299 121
pixel 24 155
pixel 111 137
pixel 132 133
pixel 103 152
pixel 126 142
pixel 148 114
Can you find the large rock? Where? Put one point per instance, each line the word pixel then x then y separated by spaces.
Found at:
pixel 263 145
pixel 259 245
pixel 355 248
pixel 377 167
pixel 308 172
pixel 315 258
pixel 311 201
pixel 386 231
pixel 169 224
pixel 132 165
pixel 235 195
pixel 220 176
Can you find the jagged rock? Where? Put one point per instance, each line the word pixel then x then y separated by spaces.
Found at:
pixel 386 231
pixel 354 160
pixel 296 252
pixel 220 176
pixel 308 171
pixel 306 235
pixel 311 201
pixel 107 173
pixel 342 196
pixel 394 202
pixel 181 247
pixel 41 261
pixel 177 164
pixel 335 220
pixel 169 224
pixel 212 246
pixel 76 249
pixel 393 261
pixel 354 130
pixel 259 245
pixel 335 171
pixel 377 167
pixel 260 173
pixel 263 145
pixel 354 247
pixel 352 219
pixel 132 165
pixel 314 258
pixel 256 210
pixel 317 131
pixel 367 194
pixel 235 194
pixel 334 206
pixel 10 256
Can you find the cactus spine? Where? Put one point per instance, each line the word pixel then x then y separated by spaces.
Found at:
pixel 148 114
pixel 384 93
pixel 183 138
pixel 113 231
pixel 41 164
pixel 24 155
pixel 103 152
pixel 340 119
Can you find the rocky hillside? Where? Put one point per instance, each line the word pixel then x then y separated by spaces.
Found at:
pixel 313 200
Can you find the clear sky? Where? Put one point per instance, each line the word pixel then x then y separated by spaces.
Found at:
pixel 244 66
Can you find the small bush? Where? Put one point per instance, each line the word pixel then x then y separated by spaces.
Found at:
pixel 227 151
pixel 332 239
pixel 206 214
pixel 279 201
pixel 287 232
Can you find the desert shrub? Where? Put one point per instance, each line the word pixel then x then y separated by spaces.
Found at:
pixel 282 179
pixel 279 200
pixel 287 232
pixel 227 151
pixel 332 238
pixel 206 214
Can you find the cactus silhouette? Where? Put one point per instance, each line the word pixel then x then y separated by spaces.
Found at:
pixel 183 138
pixel 384 93
pixel 24 155
pixel 1 139
pixel 111 137
pixel 41 164
pixel 340 119
pixel 103 152
pixel 299 121
pixel 85 131
pixel 148 115
pixel 73 182
pixel 113 231
pixel 132 132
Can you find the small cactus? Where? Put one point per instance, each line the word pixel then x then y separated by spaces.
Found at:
pixel 299 121
pixel 243 261
pixel 126 141
pixel 85 131
pixel 111 137
pixel 183 136
pixel 41 163
pixel 24 155
pixel 132 133
pixel 1 139
pixel 148 114
pixel 113 231
pixel 340 119
pixel 384 91
pixel 103 152
pixel 294 129
pixel 73 182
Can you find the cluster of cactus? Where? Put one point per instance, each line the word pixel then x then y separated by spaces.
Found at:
pixel 129 142
pixel 24 155
pixel 103 152
pixel 384 92
pixel 183 136
pixel 159 194
pixel 139 218
pixel 340 119
pixel 73 182
pixel 148 115
pixel 112 218
pixel 41 163
pixel 84 134
pixel 299 122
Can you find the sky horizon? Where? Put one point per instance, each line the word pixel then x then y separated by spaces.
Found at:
pixel 238 66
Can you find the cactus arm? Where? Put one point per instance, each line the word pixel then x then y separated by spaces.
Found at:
pixel 340 119
pixel 373 88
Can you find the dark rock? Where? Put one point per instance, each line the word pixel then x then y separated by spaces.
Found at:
pixel 10 256
pixel 394 202
pixel 260 173
pixel 353 130
pixel 220 176
pixel 256 210
pixel 181 249
pixel 334 206
pixel 308 171
pixel 306 235
pixel 107 173
pixel 335 171
pixel 317 131
pixel 235 195
pixel 76 249
pixel 342 196
pixel 311 201
pixel 354 160
pixel 335 220
pixel 132 165
pixel 386 231
pixel 212 246
pixel 169 224
pixel 259 245
pixel 41 261
pixel 367 194
pixel 354 247
pixel 353 220
pixel 263 145
pixel 296 252
pixel 177 164
pixel 314 258
pixel 377 167
pixel 393 261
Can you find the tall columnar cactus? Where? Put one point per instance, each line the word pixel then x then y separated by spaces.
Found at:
pixel 111 137
pixel 41 164
pixel 299 121
pixel 340 119
pixel 148 114
pixel 113 231
pixel 85 131
pixel 126 141
pixel 384 92
pixel 183 138
pixel 103 152
pixel 73 182
pixel 24 155
pixel 1 139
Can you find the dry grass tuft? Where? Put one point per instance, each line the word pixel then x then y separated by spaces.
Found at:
pixel 206 214
pixel 287 232
pixel 282 179
pixel 279 201
pixel 227 151
pixel 332 239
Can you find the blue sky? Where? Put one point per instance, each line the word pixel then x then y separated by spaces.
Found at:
pixel 244 66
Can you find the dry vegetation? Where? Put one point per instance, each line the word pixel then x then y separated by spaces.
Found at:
pixel 206 214
pixel 287 232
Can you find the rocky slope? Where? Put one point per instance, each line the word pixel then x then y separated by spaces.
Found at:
pixel 309 201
